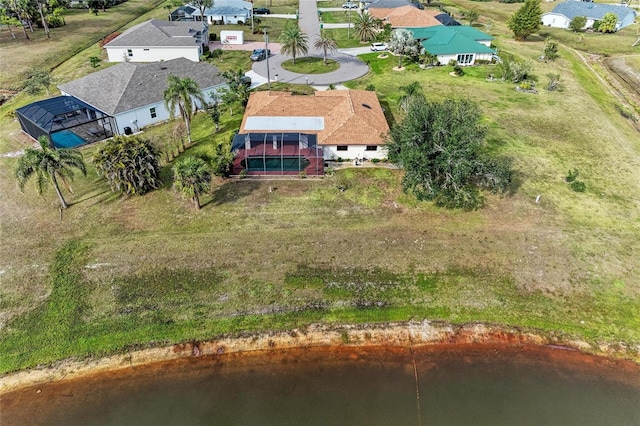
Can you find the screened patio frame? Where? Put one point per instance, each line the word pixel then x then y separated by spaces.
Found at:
pixel 257 153
pixel 61 113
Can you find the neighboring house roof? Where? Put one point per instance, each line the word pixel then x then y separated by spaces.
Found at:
pixel 338 117
pixel 446 20
pixel 128 85
pixel 226 7
pixel 405 17
pixel 390 4
pixel 452 40
pixel 440 31
pixel 158 33
pixel 571 9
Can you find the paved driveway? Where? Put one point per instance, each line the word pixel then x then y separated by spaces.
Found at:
pixel 350 67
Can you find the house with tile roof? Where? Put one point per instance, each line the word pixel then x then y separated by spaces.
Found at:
pixel 407 16
pixel 348 124
pixel 132 93
pixel 563 13
pixel 158 40
pixel 461 43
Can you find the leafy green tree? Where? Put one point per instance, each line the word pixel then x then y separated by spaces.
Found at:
pixel 94 61
pixel 294 42
pixel 47 165
pixel 202 5
pixel 578 23
pixel 608 23
pixel 526 20
pixel 366 27
pixel 550 52
pixel 440 145
pixel 9 21
pixel 38 80
pixel 403 44
pixel 472 16
pixel 213 109
pixel 327 44
pixel 223 158
pixel 130 164
pixel 192 178
pixel 181 93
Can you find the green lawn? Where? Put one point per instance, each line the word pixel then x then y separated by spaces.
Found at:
pixel 121 272
pixel 310 65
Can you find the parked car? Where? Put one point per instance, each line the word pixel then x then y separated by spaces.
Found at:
pixel 349 5
pixel 377 47
pixel 259 55
pixel 261 11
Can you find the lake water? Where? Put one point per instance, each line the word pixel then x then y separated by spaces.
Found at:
pixel 462 385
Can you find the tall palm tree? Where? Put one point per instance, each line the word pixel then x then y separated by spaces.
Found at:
pixel 411 92
pixel 48 164
pixel 294 42
pixel 192 178
pixel 181 92
pixel 366 26
pixel 325 43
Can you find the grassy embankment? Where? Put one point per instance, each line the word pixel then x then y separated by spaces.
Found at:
pixel 117 273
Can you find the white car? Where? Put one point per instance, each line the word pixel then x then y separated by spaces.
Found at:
pixel 378 47
pixel 349 5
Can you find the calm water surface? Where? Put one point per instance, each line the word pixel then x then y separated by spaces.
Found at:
pixel 346 386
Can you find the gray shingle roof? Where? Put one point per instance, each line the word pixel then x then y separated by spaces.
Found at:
pixel 571 9
pixel 390 4
pixel 158 33
pixel 128 85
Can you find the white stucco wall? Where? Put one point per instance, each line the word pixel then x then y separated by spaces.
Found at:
pixel 141 117
pixel 555 20
pixel 154 54
pixel 354 151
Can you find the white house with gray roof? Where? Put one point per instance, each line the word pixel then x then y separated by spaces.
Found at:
pixel 563 13
pixel 132 93
pixel 226 12
pixel 158 40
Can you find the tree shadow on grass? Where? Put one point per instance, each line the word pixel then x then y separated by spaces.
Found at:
pixel 233 190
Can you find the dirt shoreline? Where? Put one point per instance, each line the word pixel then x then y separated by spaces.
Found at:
pixel 405 334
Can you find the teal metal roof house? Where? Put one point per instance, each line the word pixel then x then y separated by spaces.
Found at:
pixel 461 43
pixel 563 13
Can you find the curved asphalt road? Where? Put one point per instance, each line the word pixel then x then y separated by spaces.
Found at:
pixel 350 67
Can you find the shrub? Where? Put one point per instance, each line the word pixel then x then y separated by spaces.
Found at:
pixel 554 82
pixel 370 88
pixel 578 23
pixel 457 69
pixel 108 38
pixel 578 186
pixel 572 175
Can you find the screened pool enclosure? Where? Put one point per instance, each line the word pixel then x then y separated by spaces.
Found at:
pixel 67 121
pixel 277 154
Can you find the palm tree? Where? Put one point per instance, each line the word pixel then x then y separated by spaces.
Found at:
pixel 181 92
pixel 192 178
pixel 130 164
pixel 366 26
pixel 325 43
pixel 48 164
pixel 411 93
pixel 294 42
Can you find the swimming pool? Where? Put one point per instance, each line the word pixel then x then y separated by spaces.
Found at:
pixel 66 139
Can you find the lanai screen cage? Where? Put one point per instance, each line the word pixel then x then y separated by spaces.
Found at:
pixel 277 154
pixel 66 120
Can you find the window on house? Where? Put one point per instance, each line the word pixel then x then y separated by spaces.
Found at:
pixel 152 111
pixel 343 148
pixel 371 148
pixel 465 59
pixel 129 52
